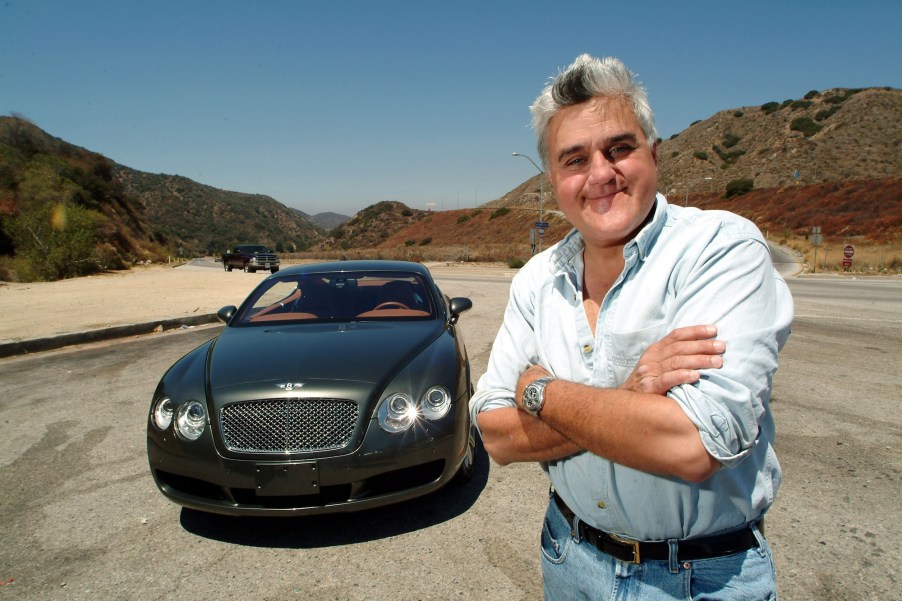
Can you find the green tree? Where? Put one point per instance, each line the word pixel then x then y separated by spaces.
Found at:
pixel 738 187
pixel 56 241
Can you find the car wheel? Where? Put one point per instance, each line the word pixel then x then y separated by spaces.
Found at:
pixel 471 455
pixel 273 269
pixel 227 267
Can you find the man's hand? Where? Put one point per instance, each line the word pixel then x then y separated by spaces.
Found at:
pixel 675 360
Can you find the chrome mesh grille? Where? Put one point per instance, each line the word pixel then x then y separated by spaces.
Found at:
pixel 288 425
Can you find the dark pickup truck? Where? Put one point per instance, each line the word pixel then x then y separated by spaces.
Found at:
pixel 250 257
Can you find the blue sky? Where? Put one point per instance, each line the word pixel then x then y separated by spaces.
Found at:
pixel 333 106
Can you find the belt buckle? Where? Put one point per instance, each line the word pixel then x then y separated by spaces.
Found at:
pixel 629 543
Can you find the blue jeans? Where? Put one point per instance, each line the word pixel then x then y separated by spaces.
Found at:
pixel 574 569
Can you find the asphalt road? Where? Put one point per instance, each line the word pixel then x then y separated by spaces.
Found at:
pixel 82 519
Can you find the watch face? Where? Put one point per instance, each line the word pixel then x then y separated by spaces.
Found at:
pixel 531 396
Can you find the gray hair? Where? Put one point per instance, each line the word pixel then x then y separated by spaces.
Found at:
pixel 589 77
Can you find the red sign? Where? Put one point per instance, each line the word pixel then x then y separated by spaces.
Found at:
pixel 848 251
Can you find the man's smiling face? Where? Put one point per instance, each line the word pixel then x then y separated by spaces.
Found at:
pixel 602 170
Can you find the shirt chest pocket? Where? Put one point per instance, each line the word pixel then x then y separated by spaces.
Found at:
pixel 627 348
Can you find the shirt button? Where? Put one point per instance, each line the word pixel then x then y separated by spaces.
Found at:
pixel 601 505
pixel 587 348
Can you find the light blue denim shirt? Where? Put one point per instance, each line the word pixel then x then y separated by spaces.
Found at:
pixel 685 267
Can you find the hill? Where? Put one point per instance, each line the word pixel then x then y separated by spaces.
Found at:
pixel 67 211
pixel 63 212
pixel 372 226
pixel 201 219
pixel 325 221
pixel 829 136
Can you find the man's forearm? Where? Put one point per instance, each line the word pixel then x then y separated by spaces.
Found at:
pixel 647 432
pixel 511 435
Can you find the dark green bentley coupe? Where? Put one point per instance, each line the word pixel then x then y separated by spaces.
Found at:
pixel 333 387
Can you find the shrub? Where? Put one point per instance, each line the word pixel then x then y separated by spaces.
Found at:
pixel 700 155
pixel 738 114
pixel 806 125
pixel 770 107
pixel 730 157
pixel 499 213
pixel 800 104
pixel 409 242
pixel 425 241
pixel 406 213
pixel 811 94
pixel 674 136
pixel 738 187
pixel 675 153
pixel 826 113
pixel 730 140
pixel 56 241
pixel 515 263
pixel 694 122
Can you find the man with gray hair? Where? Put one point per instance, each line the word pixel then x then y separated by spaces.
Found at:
pixel 655 431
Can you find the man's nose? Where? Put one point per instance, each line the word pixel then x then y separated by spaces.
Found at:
pixel 601 170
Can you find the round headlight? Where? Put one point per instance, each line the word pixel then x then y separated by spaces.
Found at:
pixel 191 420
pixel 435 403
pixel 163 410
pixel 397 413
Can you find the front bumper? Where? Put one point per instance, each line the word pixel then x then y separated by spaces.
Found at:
pixel 384 469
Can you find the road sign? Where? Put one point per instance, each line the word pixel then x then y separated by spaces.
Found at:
pixel 542 225
pixel 847 262
pixel 848 251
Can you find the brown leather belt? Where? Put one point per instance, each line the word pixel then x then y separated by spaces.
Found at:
pixel 690 549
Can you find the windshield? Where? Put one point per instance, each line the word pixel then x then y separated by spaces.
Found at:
pixel 340 296
pixel 252 249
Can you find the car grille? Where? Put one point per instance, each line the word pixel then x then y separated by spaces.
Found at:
pixel 288 425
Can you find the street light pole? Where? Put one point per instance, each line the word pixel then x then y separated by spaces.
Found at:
pixel 541 190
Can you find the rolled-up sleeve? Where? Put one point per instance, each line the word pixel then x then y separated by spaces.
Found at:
pixel 733 285
pixel 512 351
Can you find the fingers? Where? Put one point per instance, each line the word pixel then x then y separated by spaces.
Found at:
pixel 711 360
pixel 685 342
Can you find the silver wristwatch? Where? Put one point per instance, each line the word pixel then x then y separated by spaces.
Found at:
pixel 534 395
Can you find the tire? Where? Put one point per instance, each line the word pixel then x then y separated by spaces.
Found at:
pixel 471 456
pixel 273 269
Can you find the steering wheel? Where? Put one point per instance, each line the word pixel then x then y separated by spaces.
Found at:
pixel 390 305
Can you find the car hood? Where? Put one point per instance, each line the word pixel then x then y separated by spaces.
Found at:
pixel 314 355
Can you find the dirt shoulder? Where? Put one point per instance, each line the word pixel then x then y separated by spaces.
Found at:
pixel 140 295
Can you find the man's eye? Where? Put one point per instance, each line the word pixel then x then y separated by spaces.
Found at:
pixel 576 162
pixel 619 151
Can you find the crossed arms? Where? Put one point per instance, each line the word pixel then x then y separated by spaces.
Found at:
pixel 634 425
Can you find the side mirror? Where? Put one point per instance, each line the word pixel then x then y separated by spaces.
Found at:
pixel 458 305
pixel 226 313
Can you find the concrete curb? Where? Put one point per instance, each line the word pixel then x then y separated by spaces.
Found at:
pixel 23 347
